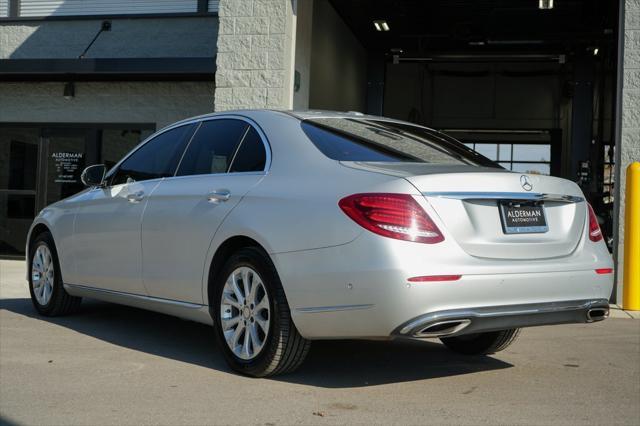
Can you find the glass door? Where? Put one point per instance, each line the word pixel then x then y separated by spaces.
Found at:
pixel 68 152
pixel 19 158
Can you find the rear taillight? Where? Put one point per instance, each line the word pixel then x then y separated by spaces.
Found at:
pixel 396 216
pixel 595 234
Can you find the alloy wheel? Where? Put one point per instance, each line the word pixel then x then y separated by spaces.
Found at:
pixel 42 274
pixel 245 313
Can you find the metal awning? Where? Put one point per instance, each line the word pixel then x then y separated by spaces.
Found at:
pixel 114 69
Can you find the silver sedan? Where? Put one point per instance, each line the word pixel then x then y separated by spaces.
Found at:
pixel 279 228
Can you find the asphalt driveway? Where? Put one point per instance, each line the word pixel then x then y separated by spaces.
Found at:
pixel 117 365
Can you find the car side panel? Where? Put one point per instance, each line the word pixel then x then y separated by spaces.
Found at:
pixel 177 227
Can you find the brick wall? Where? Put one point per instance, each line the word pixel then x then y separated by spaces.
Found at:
pixel 630 141
pixel 161 103
pixel 255 54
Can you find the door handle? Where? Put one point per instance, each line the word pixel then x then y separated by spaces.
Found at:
pixel 219 196
pixel 135 197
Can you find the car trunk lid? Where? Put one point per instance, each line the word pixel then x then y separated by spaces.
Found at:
pixel 467 200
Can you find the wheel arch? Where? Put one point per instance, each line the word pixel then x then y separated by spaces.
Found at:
pixel 35 230
pixel 226 249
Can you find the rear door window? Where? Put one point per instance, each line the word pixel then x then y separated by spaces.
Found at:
pixel 251 156
pixel 213 147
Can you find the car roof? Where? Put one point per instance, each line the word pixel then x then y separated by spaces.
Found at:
pixel 299 114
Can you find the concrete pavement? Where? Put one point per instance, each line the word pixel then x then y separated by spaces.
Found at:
pixel 117 365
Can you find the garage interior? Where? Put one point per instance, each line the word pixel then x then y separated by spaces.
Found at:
pixel 530 84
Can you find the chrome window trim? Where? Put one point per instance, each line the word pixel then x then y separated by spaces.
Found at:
pixel 525 196
pixel 193 135
pixel 235 153
pixel 198 121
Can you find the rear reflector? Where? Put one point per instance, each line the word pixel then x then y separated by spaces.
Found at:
pixel 595 234
pixel 428 278
pixel 603 271
pixel 396 216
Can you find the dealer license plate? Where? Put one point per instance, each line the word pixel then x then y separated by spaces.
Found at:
pixel 522 218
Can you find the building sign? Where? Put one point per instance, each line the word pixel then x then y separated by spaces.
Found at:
pixel 68 166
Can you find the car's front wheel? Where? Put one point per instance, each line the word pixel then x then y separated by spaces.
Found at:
pixel 481 343
pixel 45 279
pixel 252 317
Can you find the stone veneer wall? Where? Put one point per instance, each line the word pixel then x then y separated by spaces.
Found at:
pixel 162 102
pixel 629 149
pixel 256 43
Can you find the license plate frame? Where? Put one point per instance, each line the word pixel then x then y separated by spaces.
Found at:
pixel 519 224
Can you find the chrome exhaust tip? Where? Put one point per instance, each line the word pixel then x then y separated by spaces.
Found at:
pixel 443 328
pixel 597 314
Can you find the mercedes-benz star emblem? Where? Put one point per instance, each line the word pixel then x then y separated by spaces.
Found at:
pixel 525 182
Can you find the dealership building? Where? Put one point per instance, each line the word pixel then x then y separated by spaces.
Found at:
pixel 540 86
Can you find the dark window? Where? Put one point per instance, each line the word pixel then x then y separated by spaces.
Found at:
pixel 212 147
pixel 345 139
pixel 251 156
pixel 116 143
pixel 155 159
pixel 517 157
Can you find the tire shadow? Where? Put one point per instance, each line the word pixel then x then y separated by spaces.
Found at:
pixel 330 364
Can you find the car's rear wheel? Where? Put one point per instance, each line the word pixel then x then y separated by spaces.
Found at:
pixel 252 317
pixel 45 279
pixel 481 343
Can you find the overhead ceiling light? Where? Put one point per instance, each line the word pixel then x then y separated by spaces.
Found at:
pixel 545 4
pixel 381 25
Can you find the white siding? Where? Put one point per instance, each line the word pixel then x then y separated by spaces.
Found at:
pixel 4 8
pixel 213 5
pixel 32 8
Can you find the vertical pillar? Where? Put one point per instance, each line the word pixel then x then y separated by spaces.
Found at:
pixel 581 114
pixel 631 296
pixel 628 125
pixel 304 36
pixel 255 58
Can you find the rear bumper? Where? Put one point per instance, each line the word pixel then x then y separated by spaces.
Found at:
pixel 361 289
pixel 457 322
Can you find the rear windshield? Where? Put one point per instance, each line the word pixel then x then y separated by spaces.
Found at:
pixel 346 139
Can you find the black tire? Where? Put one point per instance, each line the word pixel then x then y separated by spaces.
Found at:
pixel 284 348
pixel 60 303
pixel 481 343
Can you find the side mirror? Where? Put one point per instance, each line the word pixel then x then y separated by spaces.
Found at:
pixel 94 175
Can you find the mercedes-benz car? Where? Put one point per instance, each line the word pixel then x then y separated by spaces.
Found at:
pixel 279 228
